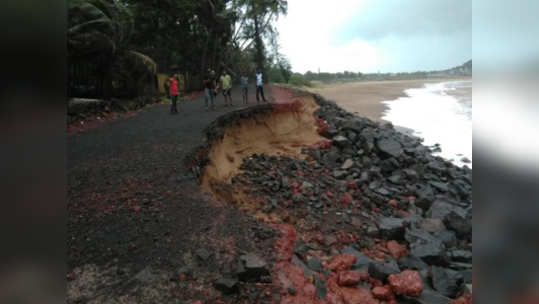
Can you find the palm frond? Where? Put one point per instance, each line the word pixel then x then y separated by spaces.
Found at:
pixel 81 26
pixel 143 60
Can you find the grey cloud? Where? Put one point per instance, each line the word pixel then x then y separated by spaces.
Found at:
pixel 414 35
pixel 379 19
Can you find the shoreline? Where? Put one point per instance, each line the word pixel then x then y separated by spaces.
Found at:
pixel 366 98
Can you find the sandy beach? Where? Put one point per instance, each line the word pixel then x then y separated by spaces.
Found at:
pixel 365 98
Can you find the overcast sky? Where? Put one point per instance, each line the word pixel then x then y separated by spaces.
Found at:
pixel 376 35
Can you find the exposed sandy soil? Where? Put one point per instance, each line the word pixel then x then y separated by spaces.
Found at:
pixel 365 98
pixel 282 131
pixel 271 134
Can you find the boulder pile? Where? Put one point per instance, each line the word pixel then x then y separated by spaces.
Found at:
pixel 378 217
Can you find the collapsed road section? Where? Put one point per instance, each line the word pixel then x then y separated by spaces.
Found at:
pixel 364 214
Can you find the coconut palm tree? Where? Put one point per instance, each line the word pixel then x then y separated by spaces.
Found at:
pixel 99 34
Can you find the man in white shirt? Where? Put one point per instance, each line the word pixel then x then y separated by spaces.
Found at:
pixel 259 87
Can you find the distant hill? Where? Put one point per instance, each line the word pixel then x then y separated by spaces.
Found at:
pixel 462 70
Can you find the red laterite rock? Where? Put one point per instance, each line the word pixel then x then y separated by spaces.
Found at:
pixel 407 282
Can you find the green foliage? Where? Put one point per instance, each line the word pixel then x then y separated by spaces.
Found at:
pixel 275 75
pixel 122 44
pixel 298 80
pixel 332 77
pixel 99 35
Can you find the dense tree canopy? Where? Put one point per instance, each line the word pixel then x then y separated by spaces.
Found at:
pixel 116 47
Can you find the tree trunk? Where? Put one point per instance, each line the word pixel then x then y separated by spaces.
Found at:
pixel 214 54
pixel 259 47
pixel 204 66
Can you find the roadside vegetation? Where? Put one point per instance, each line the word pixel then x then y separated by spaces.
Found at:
pixel 121 49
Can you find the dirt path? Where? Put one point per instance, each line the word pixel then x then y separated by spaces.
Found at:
pixel 140 228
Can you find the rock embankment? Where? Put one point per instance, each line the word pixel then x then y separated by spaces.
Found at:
pixel 366 214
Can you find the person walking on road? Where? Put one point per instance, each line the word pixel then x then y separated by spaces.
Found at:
pixel 244 89
pixel 259 87
pixel 173 92
pixel 226 86
pixel 209 91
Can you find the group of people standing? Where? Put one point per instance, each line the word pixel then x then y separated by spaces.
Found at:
pixel 212 85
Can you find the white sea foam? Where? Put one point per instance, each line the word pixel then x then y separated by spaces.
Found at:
pixel 437 117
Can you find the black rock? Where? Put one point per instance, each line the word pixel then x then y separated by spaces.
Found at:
pixel 332 157
pixel 315 153
pixel 362 260
pixel 432 225
pixel 411 174
pixel 373 231
pixel 351 136
pixel 437 166
pixel 341 142
pixel 367 134
pixel 368 146
pixel 395 179
pixel 427 297
pixel 307 185
pixel 460 266
pixel 446 281
pixel 331 132
pixel 431 253
pixel 203 254
pixel 363 178
pixel 425 246
pixel 300 248
pixel 414 210
pixel 412 262
pixel 464 256
pixel 285 182
pixel 321 289
pixel 440 186
pixel 366 161
pixel 339 174
pixel 391 228
pixel 449 238
pixel 425 196
pixel 382 191
pixel 389 147
pixel 307 272
pixel 374 185
pixel 410 151
pixel 251 267
pixel 381 271
pixel 297 198
pixel 389 165
pixel 352 125
pixel 465 160
pixel 226 285
pixel 467 276
pixel 315 264
pixel 454 217
pixel 264 233
pixel 349 163
pixel 463 189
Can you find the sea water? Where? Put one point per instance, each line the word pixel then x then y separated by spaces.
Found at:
pixel 440 113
